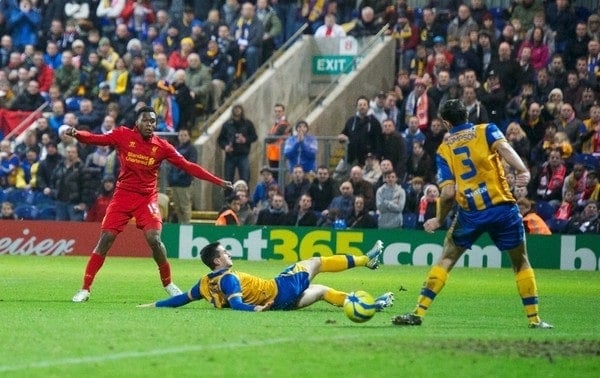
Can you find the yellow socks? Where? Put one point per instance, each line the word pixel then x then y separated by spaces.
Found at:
pixel 528 292
pixel 338 263
pixel 334 297
pixel 433 285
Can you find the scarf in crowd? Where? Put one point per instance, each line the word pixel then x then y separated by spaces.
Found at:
pixel 423 205
pixel 422 111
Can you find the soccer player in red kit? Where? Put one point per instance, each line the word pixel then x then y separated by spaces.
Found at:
pixel 140 155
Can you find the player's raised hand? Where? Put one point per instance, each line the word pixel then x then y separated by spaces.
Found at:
pixel 266 307
pixel 146 305
pixel 522 179
pixel 431 225
pixel 227 185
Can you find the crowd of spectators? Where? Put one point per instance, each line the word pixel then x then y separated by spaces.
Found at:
pixel 531 68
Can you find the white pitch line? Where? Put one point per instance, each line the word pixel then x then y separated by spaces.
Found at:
pixel 156 352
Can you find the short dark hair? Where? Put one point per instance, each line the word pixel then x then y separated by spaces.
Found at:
pixel 209 253
pixel 454 111
pixel 144 109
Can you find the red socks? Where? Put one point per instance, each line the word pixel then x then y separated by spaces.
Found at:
pixel 165 273
pixel 93 266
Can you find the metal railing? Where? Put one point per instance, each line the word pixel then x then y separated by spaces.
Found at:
pixel 249 81
pixel 329 153
pixel 318 100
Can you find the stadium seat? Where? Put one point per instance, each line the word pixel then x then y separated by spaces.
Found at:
pixel 27 212
pixel 544 210
pixel 582 13
pixel 588 160
pixel 556 225
pixel 15 196
pixel 47 212
pixel 409 221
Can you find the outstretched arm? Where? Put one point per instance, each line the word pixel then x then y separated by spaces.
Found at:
pixel 505 150
pixel 178 300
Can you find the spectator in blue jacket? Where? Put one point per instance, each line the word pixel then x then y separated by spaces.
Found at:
pixel 23 23
pixel 301 149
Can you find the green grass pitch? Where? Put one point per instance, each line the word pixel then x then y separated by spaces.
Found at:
pixel 476 327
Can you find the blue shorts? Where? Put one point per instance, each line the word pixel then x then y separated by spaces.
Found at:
pixel 503 223
pixel 291 283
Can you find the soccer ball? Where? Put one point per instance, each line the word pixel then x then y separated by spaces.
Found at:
pixel 359 306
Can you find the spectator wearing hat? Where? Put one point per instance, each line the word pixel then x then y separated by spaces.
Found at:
pixel 439 47
pixel 371 170
pixel 178 58
pixel 104 97
pixel 79 53
pixel 407 38
pixel 167 109
pixel 199 36
pixel 493 97
pixel 377 106
pixel 262 187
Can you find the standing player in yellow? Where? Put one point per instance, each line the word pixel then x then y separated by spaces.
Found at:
pixel 470 173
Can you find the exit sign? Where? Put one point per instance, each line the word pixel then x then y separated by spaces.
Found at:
pixel 332 64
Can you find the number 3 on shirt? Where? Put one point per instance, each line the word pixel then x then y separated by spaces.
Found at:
pixel 467 162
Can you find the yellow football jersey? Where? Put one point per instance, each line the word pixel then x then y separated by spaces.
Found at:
pixel 253 290
pixel 468 158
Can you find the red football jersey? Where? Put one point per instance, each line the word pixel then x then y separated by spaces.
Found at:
pixel 140 159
